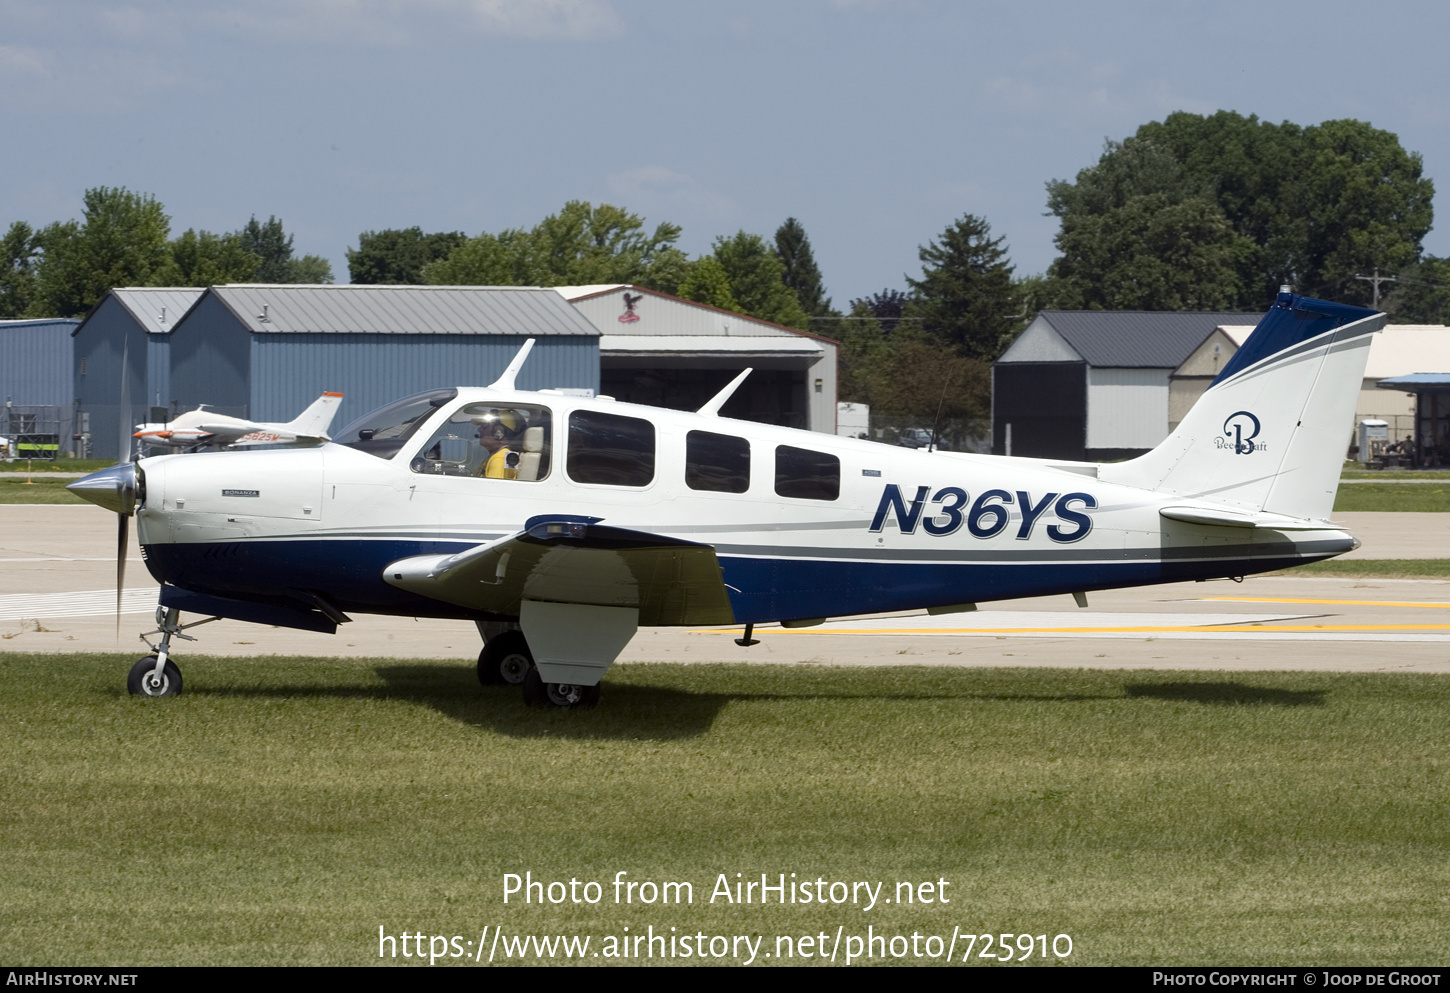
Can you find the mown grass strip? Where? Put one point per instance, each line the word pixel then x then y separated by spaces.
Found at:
pixel 1427 497
pixel 40 490
pixel 1374 568
pixel 284 809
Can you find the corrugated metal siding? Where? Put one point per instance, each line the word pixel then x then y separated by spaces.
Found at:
pixel 108 336
pixel 442 310
pixel 1138 339
pixel 36 361
pixel 158 369
pixel 211 360
pixel 157 309
pixel 1126 408
pixel 290 371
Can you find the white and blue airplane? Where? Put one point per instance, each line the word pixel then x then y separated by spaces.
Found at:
pixel 560 524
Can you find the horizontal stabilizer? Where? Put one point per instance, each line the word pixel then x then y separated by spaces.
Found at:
pixel 576 560
pixel 1227 517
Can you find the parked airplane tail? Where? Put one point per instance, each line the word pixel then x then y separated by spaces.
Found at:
pixel 1269 434
pixel 316 419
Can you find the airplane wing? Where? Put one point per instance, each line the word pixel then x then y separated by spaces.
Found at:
pixel 576 560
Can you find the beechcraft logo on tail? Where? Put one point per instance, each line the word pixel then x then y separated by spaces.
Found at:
pixel 1239 432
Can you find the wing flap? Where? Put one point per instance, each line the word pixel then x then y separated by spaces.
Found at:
pixel 669 581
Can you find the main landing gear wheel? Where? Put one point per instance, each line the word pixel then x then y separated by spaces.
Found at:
pixel 505 659
pixel 143 680
pixel 537 693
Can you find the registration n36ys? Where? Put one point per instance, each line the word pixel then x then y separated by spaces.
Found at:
pixel 560 524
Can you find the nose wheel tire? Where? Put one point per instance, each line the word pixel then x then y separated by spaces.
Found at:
pixel 504 660
pixel 538 693
pixel 142 680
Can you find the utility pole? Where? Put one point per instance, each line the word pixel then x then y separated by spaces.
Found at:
pixel 1376 279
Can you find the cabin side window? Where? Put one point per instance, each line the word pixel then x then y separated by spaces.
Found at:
pixel 717 462
pixel 490 441
pixel 806 475
pixel 610 449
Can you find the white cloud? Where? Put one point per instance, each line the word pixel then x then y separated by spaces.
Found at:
pixel 46 81
pixel 380 23
pixel 655 190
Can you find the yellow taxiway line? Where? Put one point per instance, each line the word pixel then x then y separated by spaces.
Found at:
pixel 1342 603
pixel 1194 629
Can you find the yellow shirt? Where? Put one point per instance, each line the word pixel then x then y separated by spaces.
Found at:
pixel 498 468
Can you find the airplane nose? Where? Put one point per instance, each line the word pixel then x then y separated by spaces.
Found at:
pixel 113 488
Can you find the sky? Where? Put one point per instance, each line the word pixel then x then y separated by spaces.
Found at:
pixel 876 123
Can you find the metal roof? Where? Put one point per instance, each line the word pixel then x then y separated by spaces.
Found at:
pixel 1138 339
pixel 1417 382
pixel 692 344
pixel 293 309
pixel 157 309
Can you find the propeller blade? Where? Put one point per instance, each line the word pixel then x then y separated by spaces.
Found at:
pixel 123 534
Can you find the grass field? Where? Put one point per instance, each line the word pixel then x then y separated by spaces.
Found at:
pixel 283 809
pixel 1420 497
pixel 39 490
pixel 1375 568
pixel 39 466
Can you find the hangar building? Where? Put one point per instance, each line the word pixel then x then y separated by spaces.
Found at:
pixel 265 351
pixel 669 352
pixel 1094 384
pixel 35 384
pixel 121 360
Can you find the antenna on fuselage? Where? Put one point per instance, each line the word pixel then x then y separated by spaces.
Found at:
pixel 506 381
pixel 713 405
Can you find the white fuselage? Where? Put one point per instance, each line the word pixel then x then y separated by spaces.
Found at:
pixel 906 528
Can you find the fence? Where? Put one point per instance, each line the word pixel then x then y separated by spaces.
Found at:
pixel 36 432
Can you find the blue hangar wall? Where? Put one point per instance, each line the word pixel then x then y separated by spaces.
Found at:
pixel 223 356
pixel 121 364
pixel 35 361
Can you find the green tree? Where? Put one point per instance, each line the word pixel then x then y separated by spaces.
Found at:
pixel 1421 295
pixel 888 307
pixel 21 253
pixel 398 256
pixel 930 383
pixel 801 274
pixel 580 245
pixel 863 355
pixel 966 296
pixel 121 242
pixel 273 245
pixel 1149 254
pixel 1314 206
pixel 706 281
pixel 757 280
pixel 201 258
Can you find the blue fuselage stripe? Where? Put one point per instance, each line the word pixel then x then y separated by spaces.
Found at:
pixel 761 588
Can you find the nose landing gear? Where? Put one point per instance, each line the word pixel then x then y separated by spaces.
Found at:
pixel 156 675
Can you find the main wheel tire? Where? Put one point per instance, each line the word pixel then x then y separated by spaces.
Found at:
pixel 505 659
pixel 141 683
pixel 538 693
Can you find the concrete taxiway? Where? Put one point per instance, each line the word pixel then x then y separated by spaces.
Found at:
pixel 60 596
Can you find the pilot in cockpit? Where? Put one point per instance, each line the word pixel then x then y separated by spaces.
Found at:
pixel 499 434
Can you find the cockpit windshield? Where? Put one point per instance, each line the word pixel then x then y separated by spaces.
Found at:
pixel 384 431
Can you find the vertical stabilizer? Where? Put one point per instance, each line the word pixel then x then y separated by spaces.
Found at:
pixel 1270 433
pixel 316 419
